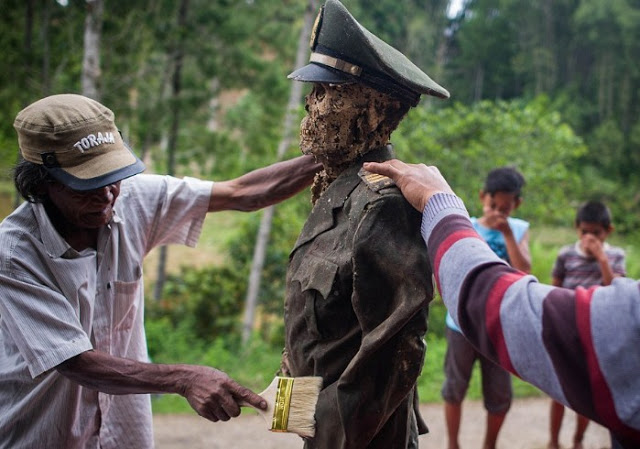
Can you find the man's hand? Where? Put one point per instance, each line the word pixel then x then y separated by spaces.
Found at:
pixel 215 396
pixel 417 182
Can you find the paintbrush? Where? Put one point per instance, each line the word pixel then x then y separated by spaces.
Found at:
pixel 291 404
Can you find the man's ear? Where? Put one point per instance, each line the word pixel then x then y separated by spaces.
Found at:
pixel 481 194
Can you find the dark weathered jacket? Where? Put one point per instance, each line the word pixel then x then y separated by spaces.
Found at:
pixel 358 287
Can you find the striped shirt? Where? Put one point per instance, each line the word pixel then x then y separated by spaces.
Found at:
pixel 579 346
pixel 57 303
pixel 495 240
pixel 575 269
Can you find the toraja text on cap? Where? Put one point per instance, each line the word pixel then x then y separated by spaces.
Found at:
pixel 93 140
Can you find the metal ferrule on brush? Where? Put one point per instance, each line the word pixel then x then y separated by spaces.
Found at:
pixel 282 403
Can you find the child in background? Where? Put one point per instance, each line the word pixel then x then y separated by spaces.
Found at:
pixel 588 262
pixel 509 238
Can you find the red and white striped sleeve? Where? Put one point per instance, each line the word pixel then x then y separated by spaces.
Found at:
pixel 582 347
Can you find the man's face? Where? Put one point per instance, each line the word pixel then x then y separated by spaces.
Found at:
pixel 86 210
pixel 340 122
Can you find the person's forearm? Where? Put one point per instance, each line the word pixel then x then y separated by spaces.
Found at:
pixel 517 259
pixel 114 375
pixel 606 271
pixel 211 393
pixel 264 186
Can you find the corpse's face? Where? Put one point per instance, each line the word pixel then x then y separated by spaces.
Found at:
pixel 342 122
pixel 90 209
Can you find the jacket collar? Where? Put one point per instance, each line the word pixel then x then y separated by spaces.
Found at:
pixel 321 217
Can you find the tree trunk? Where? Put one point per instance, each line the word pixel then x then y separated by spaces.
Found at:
pixel 46 48
pixel 91 58
pixel 478 84
pixel 176 87
pixel 27 68
pixel 262 238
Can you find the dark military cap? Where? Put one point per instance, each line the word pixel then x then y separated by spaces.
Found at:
pixel 343 51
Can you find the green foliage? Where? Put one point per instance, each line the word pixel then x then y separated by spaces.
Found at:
pixel 289 217
pixel 208 301
pixel 465 142
pixel 437 314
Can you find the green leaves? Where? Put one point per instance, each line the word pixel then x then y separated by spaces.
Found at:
pixel 465 142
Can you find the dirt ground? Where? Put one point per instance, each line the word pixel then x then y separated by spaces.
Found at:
pixel 526 427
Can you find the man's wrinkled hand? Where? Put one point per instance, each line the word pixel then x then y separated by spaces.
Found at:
pixel 215 396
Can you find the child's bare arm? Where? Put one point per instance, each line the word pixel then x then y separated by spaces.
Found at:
pixel 519 255
pixel 594 247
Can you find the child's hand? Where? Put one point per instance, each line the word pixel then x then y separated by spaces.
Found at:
pixel 496 220
pixel 592 246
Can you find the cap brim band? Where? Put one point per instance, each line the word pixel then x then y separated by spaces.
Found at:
pixel 80 184
pixel 315 73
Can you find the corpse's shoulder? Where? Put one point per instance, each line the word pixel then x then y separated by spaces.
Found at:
pixel 382 193
pixel 374 181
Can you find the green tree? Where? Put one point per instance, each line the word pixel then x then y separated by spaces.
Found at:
pixel 465 142
pixel 482 46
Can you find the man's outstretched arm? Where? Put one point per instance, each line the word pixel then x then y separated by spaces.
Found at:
pixel 264 186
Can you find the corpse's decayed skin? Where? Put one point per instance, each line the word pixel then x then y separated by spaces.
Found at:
pixel 343 122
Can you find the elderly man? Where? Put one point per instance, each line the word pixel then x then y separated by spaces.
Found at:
pixel 74 370
pixel 357 297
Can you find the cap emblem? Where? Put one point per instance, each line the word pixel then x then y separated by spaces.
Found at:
pixel 316 29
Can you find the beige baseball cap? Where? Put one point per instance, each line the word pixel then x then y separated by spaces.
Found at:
pixel 76 140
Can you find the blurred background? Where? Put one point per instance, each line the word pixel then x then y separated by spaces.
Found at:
pixel 199 88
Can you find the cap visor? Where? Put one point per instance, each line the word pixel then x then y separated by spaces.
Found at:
pixel 105 169
pixel 315 73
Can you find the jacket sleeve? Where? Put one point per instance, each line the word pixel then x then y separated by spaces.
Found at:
pixel 390 300
pixel 578 346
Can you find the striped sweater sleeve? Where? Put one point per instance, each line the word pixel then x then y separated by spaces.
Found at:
pixel 582 347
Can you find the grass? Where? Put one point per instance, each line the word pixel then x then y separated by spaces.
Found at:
pixel 256 366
